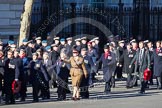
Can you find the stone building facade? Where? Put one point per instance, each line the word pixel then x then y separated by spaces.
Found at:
pixel 10 16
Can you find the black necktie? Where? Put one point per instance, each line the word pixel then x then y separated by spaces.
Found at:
pixel 140 56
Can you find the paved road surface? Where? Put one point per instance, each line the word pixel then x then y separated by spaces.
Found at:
pixel 119 98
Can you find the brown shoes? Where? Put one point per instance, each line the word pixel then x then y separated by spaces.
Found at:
pixel 75 99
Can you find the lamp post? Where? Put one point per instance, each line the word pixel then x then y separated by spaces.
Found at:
pixel 141 23
pixel 120 14
pixel 73 14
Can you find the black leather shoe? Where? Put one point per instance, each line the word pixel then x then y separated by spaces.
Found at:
pixel 73 98
pixel 141 92
pixel 107 92
pixel 22 99
pixel 159 87
pixel 35 101
pixel 77 98
pixel 12 102
pixel 128 87
pixel 7 103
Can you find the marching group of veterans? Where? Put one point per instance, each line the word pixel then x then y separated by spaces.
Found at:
pixel 44 65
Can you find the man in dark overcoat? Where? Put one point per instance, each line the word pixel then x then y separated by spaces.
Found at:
pixel 86 82
pixel 11 73
pixel 127 57
pixel 38 76
pixel 142 62
pixel 108 60
pixel 158 64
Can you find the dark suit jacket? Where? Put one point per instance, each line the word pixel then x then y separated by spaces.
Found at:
pixel 108 65
pixel 93 54
pixel 88 63
pixel 61 69
pixel 157 63
pixel 48 68
pixel 119 53
pixel 127 58
pixel 68 50
pixel 29 52
pixel 54 56
pixel 145 62
pixel 1 67
pixel 37 68
pixel 11 70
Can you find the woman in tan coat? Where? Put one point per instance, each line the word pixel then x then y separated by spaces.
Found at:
pixel 77 71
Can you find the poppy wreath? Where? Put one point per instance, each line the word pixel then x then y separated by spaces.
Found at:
pixel 147 74
pixel 16 86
